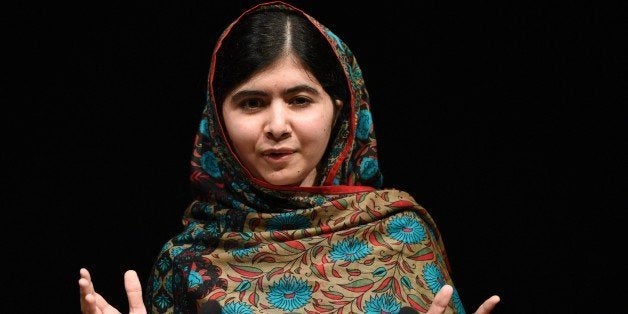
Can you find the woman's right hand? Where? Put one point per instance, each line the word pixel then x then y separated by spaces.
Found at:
pixel 441 300
pixel 93 303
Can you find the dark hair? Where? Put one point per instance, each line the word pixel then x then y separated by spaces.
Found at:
pixel 260 38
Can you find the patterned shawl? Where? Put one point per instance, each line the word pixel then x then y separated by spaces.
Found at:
pixel 343 246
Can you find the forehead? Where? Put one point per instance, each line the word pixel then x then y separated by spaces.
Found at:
pixel 285 70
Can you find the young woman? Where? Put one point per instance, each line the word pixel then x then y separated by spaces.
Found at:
pixel 288 212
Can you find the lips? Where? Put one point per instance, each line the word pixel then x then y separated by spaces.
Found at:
pixel 277 154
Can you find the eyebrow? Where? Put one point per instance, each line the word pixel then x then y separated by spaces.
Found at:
pixel 246 93
pixel 292 90
pixel 301 88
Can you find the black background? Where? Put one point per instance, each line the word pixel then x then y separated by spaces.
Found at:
pixel 503 120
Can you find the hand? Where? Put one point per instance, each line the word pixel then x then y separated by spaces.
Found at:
pixel 441 299
pixel 94 303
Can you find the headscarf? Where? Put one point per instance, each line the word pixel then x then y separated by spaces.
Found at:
pixel 344 245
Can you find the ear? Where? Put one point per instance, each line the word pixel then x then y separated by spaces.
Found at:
pixel 337 107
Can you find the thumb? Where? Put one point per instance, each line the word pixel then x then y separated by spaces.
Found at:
pixel 133 289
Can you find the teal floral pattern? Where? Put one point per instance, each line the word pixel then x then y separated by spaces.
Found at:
pixel 350 250
pixel 237 308
pixel 383 303
pixel 289 293
pixel 287 221
pixel 210 164
pixel 406 230
pixel 364 123
pixel 366 252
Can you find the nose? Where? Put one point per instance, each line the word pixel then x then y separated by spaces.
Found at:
pixel 278 126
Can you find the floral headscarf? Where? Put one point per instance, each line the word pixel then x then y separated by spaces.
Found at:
pixel 352 157
pixel 342 245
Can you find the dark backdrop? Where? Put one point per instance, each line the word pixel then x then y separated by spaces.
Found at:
pixel 503 120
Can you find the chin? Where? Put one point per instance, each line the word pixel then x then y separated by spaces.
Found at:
pixel 284 181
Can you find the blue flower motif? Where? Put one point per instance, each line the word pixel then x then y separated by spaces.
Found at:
pixel 183 237
pixel 433 277
pixel 163 301
pixel 196 233
pixel 198 248
pixel 207 208
pixel 165 263
pixel 289 293
pixel 195 279
pixel 319 200
pixel 246 235
pixel 155 284
pixel 237 308
pixel 169 284
pixel 369 167
pixel 210 164
pixel 406 230
pixel 364 124
pixel 455 297
pixel 237 204
pixel 204 127
pixel 382 303
pixel 287 221
pixel 350 250
pixel 213 228
pixel 245 251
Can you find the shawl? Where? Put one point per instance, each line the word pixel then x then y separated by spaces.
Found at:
pixel 343 246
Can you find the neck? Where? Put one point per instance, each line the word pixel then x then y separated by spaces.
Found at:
pixel 310 179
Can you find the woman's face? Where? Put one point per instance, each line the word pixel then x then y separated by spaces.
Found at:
pixel 279 122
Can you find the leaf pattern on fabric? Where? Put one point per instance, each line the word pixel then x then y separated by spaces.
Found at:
pixel 349 259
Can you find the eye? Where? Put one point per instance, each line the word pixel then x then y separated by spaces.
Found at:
pixel 301 101
pixel 251 104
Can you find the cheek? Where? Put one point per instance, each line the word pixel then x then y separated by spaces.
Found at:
pixel 317 130
pixel 243 136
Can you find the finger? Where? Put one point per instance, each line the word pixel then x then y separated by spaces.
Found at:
pixel 86 288
pixel 86 275
pixel 441 300
pixel 488 305
pixel 133 289
pixel 90 305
